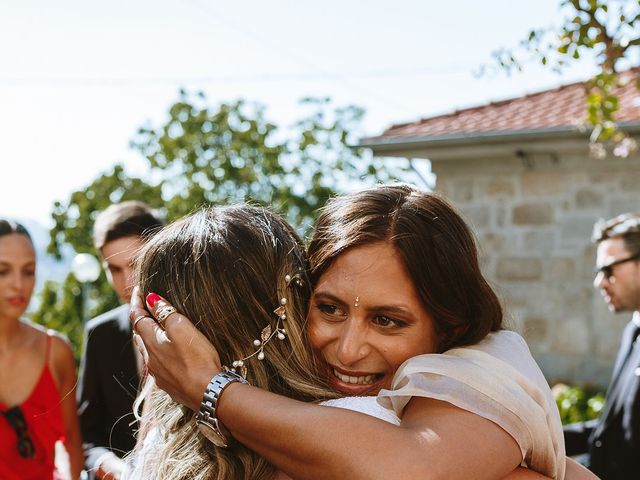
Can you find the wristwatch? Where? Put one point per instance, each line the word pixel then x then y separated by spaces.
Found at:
pixel 206 419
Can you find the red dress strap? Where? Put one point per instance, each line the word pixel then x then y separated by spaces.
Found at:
pixel 50 334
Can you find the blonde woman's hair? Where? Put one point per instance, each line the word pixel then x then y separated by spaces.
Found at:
pixel 225 268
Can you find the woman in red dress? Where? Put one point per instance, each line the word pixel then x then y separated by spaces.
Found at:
pixel 37 374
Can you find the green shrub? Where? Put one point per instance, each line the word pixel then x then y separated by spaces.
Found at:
pixel 578 404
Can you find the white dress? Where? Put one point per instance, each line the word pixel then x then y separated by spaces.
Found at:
pixel 368 405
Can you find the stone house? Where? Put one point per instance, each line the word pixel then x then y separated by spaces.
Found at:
pixel 521 173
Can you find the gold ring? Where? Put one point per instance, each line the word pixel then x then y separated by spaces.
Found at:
pixel 163 312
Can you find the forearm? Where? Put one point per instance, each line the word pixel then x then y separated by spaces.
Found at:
pixel 76 455
pixel 308 441
pixel 574 471
pixel 73 437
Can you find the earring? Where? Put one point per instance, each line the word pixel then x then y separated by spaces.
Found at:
pixel 357 302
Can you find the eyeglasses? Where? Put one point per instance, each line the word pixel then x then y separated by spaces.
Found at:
pixel 607 270
pixel 15 417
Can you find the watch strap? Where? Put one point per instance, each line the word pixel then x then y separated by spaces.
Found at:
pixel 207 414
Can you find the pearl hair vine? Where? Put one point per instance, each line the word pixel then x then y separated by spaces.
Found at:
pixel 268 333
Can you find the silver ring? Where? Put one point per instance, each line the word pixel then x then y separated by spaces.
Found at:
pixel 137 319
pixel 163 312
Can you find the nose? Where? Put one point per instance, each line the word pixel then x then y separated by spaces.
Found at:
pixel 17 280
pixel 600 280
pixel 352 344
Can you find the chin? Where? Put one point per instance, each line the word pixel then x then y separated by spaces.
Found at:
pixel 617 308
pixel 14 311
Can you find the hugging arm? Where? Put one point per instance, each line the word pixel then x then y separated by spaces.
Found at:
pixel 314 442
pixel 574 471
pixel 308 441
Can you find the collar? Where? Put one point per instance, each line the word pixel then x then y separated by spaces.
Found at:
pixel 636 318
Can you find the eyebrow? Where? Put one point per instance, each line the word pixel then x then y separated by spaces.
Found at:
pixel 375 308
pixel 30 264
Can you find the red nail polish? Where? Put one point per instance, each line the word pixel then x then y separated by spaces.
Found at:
pixel 152 298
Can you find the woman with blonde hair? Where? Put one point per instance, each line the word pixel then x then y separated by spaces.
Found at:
pixel 240 273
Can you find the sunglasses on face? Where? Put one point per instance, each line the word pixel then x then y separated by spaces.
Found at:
pixel 607 270
pixel 15 417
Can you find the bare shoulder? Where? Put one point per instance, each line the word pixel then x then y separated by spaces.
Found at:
pixel 60 345
pixel 61 350
pixel 61 359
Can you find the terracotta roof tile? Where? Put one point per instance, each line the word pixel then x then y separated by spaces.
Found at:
pixel 563 106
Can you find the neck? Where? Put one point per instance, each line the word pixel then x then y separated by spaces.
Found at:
pixel 10 332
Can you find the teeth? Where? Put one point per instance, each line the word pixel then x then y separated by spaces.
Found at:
pixel 363 380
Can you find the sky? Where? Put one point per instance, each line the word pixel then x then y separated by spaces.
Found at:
pixel 78 78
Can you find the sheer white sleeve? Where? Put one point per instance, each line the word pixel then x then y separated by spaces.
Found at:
pixel 497 379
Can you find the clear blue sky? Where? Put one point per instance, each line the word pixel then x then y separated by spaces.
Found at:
pixel 78 77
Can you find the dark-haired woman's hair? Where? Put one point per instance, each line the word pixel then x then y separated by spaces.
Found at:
pixel 436 245
pixel 8 227
pixel 227 269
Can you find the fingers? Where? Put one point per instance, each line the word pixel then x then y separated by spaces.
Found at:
pixel 141 348
pixel 136 298
pixel 141 321
pixel 156 318
pixel 160 308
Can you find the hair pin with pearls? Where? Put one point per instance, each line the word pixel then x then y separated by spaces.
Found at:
pixel 268 333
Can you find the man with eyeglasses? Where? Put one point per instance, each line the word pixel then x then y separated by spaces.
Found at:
pixel 612 443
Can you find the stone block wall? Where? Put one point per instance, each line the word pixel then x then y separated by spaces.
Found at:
pixel 534 221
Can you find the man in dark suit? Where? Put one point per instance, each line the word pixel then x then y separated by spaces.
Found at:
pixel 111 366
pixel 613 441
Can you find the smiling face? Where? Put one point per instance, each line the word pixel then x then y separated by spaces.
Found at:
pixel 621 290
pixel 366 319
pixel 17 274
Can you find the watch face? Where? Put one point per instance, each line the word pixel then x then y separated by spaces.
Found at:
pixel 211 434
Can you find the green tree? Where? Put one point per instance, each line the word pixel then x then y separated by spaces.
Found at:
pixel 61 310
pixel 603 30
pixel 204 155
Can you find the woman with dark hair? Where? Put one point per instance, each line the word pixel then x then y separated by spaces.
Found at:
pixel 399 310
pixel 37 374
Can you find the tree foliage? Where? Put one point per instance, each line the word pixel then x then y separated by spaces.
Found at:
pixel 204 155
pixel 606 31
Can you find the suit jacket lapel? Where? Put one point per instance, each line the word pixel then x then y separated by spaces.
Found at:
pixel 626 344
